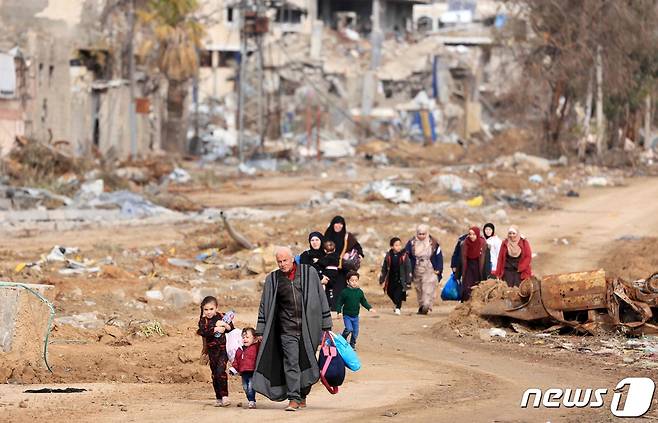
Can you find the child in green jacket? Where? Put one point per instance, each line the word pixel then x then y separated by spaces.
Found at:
pixel 349 303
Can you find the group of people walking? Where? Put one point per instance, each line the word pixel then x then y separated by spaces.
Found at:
pixel 481 255
pixel 278 356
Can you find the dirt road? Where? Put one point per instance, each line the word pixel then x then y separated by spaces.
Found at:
pixel 590 223
pixel 412 372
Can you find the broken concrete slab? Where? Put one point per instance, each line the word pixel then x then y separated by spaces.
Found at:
pixel 88 320
pixel 388 191
pixel 453 183
pixel 177 297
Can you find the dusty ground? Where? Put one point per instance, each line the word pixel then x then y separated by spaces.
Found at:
pixel 413 370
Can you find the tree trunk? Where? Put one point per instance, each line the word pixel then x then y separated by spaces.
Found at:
pixel 600 124
pixel 174 137
pixel 582 144
pixel 550 123
pixel 555 119
pixel 647 122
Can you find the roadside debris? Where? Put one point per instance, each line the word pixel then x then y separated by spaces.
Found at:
pixel 598 181
pixel 179 176
pixel 388 191
pixel 152 328
pixel 59 253
pixel 87 320
pixel 587 302
pixel 237 237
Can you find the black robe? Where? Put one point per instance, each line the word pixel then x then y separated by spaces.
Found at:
pixel 269 378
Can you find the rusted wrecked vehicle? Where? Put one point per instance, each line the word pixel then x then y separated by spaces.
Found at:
pixel 585 301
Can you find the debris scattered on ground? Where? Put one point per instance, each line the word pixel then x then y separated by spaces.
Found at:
pixel 388 191
pixel 55 391
pixel 179 176
pixel 88 320
pixel 236 236
pixel 152 328
pixel 598 181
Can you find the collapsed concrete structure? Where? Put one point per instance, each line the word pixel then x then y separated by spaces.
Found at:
pixel 330 79
pixel 331 70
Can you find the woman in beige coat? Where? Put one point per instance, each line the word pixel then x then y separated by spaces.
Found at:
pixel 427 267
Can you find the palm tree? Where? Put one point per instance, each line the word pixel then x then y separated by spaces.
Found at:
pixel 175 36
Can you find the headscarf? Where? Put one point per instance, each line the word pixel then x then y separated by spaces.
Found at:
pixel 337 237
pixel 474 248
pixel 513 247
pixel 493 230
pixel 422 248
pixel 312 253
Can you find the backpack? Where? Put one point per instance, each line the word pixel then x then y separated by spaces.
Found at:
pixel 332 366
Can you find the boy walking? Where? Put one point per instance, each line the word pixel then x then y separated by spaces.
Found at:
pixel 349 304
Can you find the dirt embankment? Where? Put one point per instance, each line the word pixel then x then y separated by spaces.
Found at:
pixel 632 259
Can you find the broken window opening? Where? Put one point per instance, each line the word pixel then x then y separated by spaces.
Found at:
pixel 425 24
pixel 95 117
pixel 205 58
pixel 289 16
pixel 229 14
pixel 96 61
pixel 228 59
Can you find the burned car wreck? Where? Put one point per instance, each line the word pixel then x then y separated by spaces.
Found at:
pixel 588 302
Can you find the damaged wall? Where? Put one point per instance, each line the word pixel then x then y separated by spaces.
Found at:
pixel 61 105
pixel 11 111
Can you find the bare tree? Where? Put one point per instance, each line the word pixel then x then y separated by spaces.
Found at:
pixel 571 40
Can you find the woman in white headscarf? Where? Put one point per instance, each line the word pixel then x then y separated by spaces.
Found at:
pixel 427 267
pixel 514 259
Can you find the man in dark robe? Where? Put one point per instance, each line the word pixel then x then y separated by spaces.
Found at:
pixel 292 315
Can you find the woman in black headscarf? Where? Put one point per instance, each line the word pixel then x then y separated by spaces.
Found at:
pixel 345 241
pixel 314 253
pixel 346 246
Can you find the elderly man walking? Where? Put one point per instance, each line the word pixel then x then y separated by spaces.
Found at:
pixel 292 315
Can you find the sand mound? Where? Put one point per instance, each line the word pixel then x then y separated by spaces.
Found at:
pixel 465 318
pixel 632 259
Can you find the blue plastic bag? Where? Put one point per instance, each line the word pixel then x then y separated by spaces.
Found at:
pixel 451 291
pixel 349 356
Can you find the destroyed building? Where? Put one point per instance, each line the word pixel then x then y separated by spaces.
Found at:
pixel 69 83
pixel 365 16
pixel 66 83
pixel 328 81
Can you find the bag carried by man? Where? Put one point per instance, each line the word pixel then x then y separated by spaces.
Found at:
pixel 332 366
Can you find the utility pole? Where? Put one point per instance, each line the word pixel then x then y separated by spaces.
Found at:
pixel 132 112
pixel 253 27
pixel 259 70
pixel 243 74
